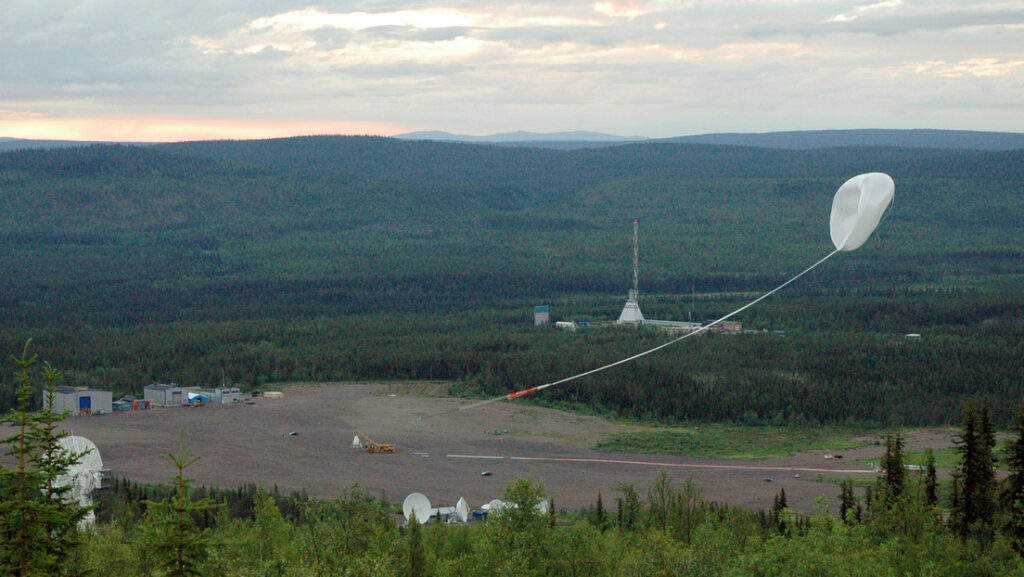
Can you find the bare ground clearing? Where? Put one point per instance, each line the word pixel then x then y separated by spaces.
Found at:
pixel 441 450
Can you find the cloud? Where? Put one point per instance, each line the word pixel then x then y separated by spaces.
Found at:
pixel 424 19
pixel 663 67
pixel 313 38
pixel 315 19
pixel 629 11
pixel 162 129
pixel 887 7
pixel 890 17
pixel 979 67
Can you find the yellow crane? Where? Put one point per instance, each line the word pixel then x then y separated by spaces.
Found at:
pixel 371 446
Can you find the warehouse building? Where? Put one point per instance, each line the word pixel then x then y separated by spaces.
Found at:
pixel 172 395
pixel 81 401
pixel 161 395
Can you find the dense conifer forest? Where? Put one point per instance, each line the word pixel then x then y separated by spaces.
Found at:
pixel 350 258
pixel 355 258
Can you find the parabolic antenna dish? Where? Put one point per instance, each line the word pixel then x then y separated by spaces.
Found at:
pixel 89 460
pixel 416 504
pixel 462 510
pixel 542 506
pixel 857 208
pixel 84 476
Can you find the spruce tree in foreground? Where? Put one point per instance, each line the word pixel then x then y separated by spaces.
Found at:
pixel 974 481
pixel 847 502
pixel 1012 495
pixel 931 480
pixel 38 529
pixel 178 546
pixel 599 518
pixel 895 471
pixel 779 506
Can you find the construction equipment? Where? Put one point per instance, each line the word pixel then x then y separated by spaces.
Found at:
pixel 371 446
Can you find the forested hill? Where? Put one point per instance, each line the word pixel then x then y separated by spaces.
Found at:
pixel 388 158
pixel 809 139
pixel 333 258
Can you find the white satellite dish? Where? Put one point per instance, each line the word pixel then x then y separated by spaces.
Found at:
pixel 84 476
pixel 462 510
pixel 494 506
pixel 417 504
pixel 542 506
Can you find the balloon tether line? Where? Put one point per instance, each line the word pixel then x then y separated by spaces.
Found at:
pixel 702 329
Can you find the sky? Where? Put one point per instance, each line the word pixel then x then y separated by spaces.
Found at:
pixel 124 70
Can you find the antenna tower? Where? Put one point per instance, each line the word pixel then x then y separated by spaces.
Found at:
pixel 636 259
pixel 631 312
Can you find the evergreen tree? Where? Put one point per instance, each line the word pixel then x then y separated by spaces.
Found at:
pixel 417 553
pixel 629 508
pixel 63 523
pixel 779 507
pixel 847 502
pixel 619 517
pixel 38 529
pixel 179 547
pixel 599 518
pixel 1012 495
pixel 973 506
pixel 931 481
pixel 987 483
pixel 895 472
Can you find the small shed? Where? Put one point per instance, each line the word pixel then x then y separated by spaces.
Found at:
pixel 164 395
pixel 541 314
pixel 81 401
pixel 230 395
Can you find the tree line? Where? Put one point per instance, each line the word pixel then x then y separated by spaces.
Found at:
pixel 904 522
pixel 829 370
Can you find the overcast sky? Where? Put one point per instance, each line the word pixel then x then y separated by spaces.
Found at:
pixel 186 69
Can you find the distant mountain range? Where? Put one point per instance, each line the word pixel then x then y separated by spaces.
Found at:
pixel 552 140
pixel 918 138
pixel 791 140
pixel 522 137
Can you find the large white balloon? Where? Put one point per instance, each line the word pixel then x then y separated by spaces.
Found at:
pixel 858 208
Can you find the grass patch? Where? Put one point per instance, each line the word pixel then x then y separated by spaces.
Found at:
pixel 950 457
pixel 860 482
pixel 944 458
pixel 721 441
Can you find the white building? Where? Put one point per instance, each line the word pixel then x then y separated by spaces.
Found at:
pixel 81 401
pixel 164 395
